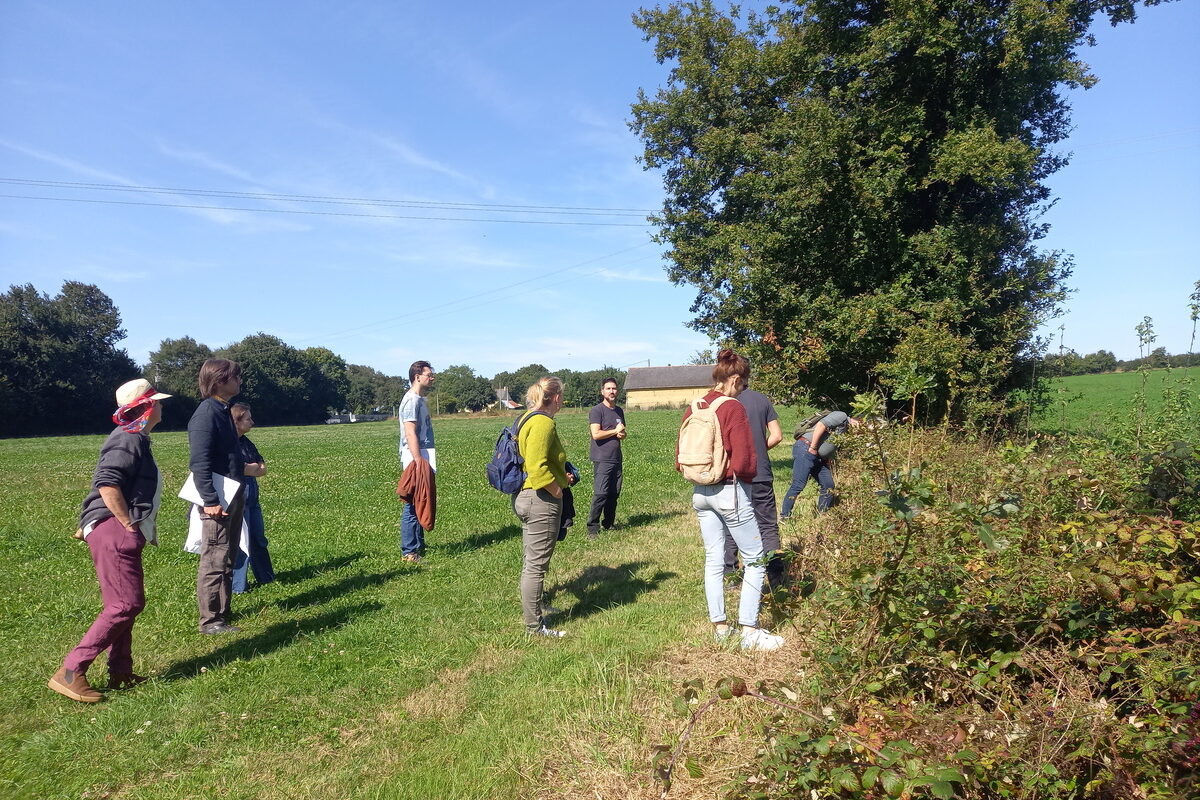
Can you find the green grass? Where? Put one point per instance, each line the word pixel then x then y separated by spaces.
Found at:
pixel 355 675
pixel 1093 403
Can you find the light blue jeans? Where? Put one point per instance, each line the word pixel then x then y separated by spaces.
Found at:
pixel 725 507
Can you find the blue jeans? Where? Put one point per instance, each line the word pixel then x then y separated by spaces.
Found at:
pixel 722 508
pixel 259 558
pixel 804 466
pixel 412 535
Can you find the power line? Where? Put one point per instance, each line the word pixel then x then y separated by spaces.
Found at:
pixel 510 208
pixel 331 213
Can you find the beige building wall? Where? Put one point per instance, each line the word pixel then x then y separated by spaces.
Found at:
pixel 649 398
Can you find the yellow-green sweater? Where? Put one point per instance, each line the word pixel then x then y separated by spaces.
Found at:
pixel 545 459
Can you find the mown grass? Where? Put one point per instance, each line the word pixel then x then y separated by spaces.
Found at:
pixel 1094 403
pixel 355 674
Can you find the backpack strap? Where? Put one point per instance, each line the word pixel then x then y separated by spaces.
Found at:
pixel 520 423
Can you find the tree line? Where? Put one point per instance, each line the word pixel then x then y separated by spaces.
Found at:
pixel 60 362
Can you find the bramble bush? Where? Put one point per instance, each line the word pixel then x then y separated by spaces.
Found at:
pixel 1015 620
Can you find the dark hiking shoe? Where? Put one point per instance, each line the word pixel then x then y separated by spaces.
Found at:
pixel 74 685
pixel 214 628
pixel 125 680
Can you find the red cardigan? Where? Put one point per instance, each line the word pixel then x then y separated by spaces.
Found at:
pixel 735 435
pixel 418 486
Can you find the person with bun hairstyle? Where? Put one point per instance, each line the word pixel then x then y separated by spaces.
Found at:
pixel 117 520
pixel 539 503
pixel 725 507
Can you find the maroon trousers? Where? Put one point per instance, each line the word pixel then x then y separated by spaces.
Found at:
pixel 117 554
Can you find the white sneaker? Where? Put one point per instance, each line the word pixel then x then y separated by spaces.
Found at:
pixel 760 639
pixel 730 634
pixel 550 632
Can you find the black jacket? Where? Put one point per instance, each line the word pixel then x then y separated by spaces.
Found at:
pixel 127 463
pixel 213 447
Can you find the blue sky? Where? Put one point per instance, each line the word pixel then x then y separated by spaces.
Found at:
pixel 424 119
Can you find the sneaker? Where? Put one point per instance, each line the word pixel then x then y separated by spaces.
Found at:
pixel 125 680
pixel 730 634
pixel 760 639
pixel 214 628
pixel 412 558
pixel 549 632
pixel 74 685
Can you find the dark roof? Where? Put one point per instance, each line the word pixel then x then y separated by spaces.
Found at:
pixel 689 376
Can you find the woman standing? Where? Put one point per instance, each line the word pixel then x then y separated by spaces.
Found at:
pixel 724 507
pixel 539 503
pixel 213 451
pixel 256 467
pixel 117 520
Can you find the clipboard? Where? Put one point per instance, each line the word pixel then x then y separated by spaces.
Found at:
pixel 225 487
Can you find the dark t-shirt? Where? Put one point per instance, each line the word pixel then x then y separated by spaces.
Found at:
pixel 760 411
pixel 607 418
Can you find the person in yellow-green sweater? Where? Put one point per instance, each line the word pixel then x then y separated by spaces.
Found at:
pixel 539 503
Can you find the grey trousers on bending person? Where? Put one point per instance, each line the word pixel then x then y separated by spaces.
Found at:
pixel 762 498
pixel 219 536
pixel 539 512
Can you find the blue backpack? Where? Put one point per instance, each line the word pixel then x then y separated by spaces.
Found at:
pixel 506 470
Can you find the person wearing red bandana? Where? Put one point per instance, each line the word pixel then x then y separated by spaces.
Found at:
pixel 117 520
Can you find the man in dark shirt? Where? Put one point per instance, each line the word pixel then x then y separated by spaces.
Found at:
pixel 607 423
pixel 766 432
pixel 213 450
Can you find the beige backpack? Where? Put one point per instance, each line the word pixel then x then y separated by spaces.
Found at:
pixel 702 456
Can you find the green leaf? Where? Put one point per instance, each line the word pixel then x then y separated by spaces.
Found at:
pixel 984 531
pixel 693 769
pixel 848 781
pixel 893 784
pixel 942 790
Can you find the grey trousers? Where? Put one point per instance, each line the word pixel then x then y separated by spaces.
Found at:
pixel 539 512
pixel 762 498
pixel 606 488
pixel 219 537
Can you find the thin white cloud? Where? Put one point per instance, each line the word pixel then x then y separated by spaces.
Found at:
pixel 226 217
pixel 67 163
pixel 93 272
pixel 616 275
pixel 206 161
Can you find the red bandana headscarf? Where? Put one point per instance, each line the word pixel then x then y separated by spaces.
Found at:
pixel 133 416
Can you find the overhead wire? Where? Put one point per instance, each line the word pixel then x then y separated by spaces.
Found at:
pixel 332 213
pixel 497 208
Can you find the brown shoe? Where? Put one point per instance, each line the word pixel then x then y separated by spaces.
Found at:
pixel 74 685
pixel 125 680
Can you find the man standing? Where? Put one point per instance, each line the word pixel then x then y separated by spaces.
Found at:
pixel 765 429
pixel 416 444
pixel 213 452
pixel 607 422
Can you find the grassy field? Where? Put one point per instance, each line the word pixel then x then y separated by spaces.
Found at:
pixel 1091 403
pixel 355 674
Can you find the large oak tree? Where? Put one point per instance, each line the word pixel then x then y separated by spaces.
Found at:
pixel 854 186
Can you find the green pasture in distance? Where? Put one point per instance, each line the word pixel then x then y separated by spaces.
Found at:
pixel 355 675
pixel 1092 403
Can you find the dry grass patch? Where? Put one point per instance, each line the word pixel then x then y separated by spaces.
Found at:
pixel 725 741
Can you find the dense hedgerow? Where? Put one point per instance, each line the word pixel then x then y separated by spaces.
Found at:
pixel 994 621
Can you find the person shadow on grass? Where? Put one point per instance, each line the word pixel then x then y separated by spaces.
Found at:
pixel 599 588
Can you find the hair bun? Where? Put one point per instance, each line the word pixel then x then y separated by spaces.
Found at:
pixel 726 355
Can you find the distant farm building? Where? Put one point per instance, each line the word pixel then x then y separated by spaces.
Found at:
pixel 647 387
